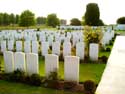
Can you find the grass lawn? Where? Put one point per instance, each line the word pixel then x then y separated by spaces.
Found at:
pixel 17 88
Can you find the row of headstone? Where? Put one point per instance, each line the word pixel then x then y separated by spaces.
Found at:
pixel 19 46
pixel 80 48
pixel 30 64
pixel 107 37
pixel 43 36
pixel 52 36
pixel 19 60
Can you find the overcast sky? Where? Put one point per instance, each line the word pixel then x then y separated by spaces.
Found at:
pixel 110 10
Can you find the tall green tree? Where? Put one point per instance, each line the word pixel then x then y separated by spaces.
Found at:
pixel 17 19
pixel 6 19
pixel 121 20
pixel 52 20
pixel 27 18
pixel 1 18
pixel 12 18
pixel 75 22
pixel 92 14
pixel 41 20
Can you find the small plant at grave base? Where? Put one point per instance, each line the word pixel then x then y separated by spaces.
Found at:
pixel 108 49
pixel 89 87
pixel 52 81
pixel 1 71
pixel 16 76
pixel 104 59
pixel 35 80
pixel 111 43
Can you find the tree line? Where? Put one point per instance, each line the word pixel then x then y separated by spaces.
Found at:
pixel 27 18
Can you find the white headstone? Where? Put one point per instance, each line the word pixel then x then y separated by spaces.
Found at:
pixel 66 49
pixel 32 64
pixel 27 46
pixel 80 50
pixel 93 51
pixel 71 68
pixel 19 46
pixel 8 61
pixel 51 63
pixel 3 46
pixel 50 40
pixel 45 47
pixel 56 48
pixel 19 61
pixel 10 45
pixel 35 47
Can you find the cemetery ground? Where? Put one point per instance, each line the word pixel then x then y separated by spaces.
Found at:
pixel 88 71
pixel 91 71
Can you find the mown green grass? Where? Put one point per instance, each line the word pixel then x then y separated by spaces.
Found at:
pixel 18 88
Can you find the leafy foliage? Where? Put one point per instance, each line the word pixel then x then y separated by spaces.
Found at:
pixel 75 22
pixel 92 35
pixel 35 80
pixel 16 76
pixel 89 87
pixel 52 20
pixel 92 15
pixel 41 20
pixel 121 20
pixel 27 18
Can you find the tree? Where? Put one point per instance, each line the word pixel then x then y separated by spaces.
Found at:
pixel 41 20
pixel 100 23
pixel 27 18
pixel 83 20
pixel 6 19
pixel 52 20
pixel 75 22
pixel 92 14
pixel 1 18
pixel 17 19
pixel 121 20
pixel 12 18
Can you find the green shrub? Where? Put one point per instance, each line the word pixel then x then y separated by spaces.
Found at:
pixel 108 49
pixel 1 71
pixel 35 80
pixel 89 87
pixel 92 35
pixel 110 43
pixel 16 76
pixel 52 81
pixel 53 75
pixel 104 59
